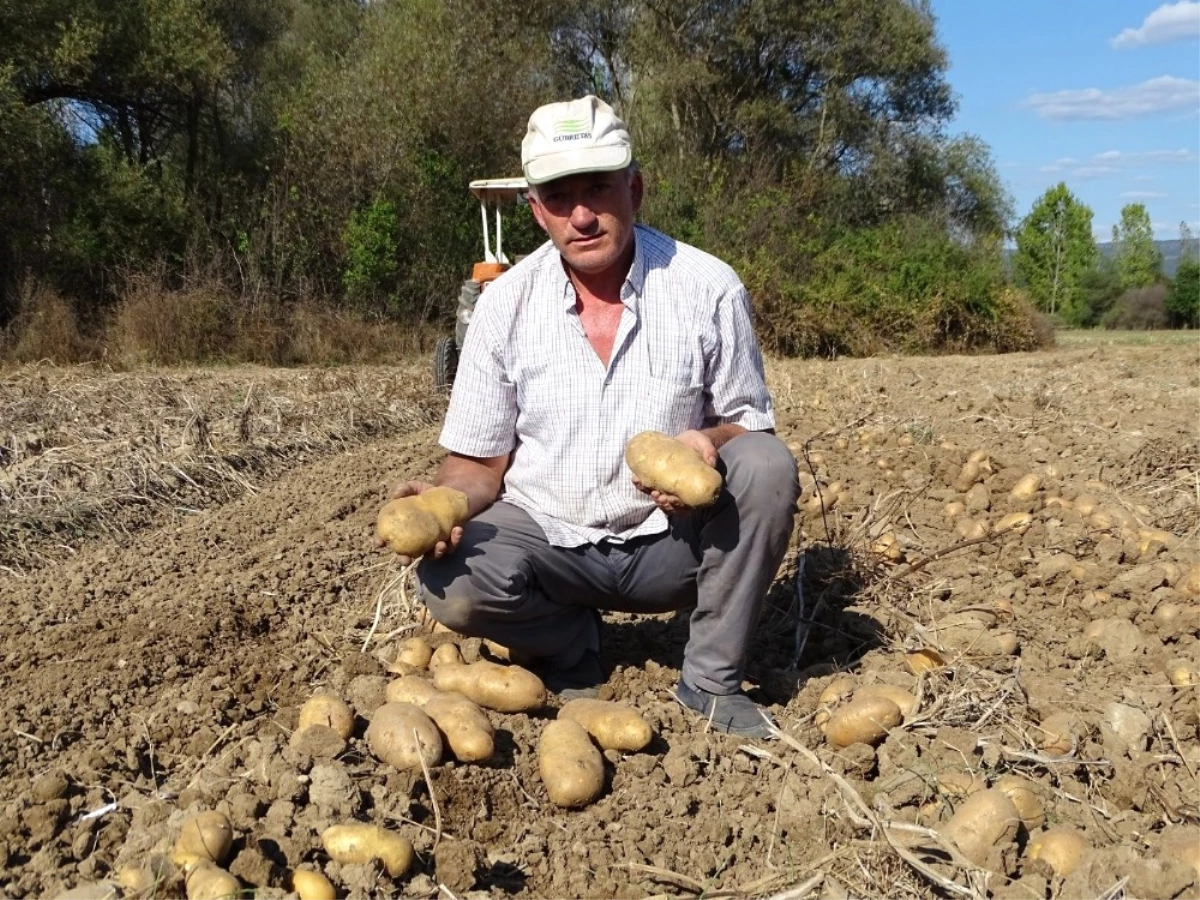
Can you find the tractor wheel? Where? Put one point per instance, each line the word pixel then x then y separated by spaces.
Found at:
pixel 445 363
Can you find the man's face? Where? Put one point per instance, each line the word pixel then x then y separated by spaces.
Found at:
pixel 589 217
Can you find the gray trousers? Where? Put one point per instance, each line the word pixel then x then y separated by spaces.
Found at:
pixel 506 583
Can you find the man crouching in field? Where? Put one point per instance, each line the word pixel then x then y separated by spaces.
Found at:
pixel 607 330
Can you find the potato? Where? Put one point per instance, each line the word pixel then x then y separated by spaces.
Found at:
pixel 920 661
pixel 412 526
pixel 968 529
pixel 958 783
pixel 971 632
pixel 464 726
pixel 954 509
pixel 205 837
pixel 402 736
pixel 415 653
pixel 1056 735
pixel 1191 582
pixel 984 820
pixel 207 882
pixel 898 695
pixel 862 721
pixel 571 767
pixel 888 547
pixel 613 725
pixel 312 885
pixel 1060 848
pixel 446 653
pixel 1017 522
pixel 664 464
pixel 410 689
pixel 1186 851
pixel 1027 487
pixel 357 842
pixel 493 686
pixel 329 710
pixel 1182 673
pixel 91 890
pixel 1024 795
pixel 833 694
pixel 967 476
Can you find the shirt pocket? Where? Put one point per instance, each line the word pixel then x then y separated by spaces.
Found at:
pixel 674 405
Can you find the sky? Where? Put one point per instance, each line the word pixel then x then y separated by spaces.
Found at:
pixel 1103 95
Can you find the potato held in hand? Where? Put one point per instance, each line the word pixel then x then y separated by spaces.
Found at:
pixel 412 526
pixel 665 464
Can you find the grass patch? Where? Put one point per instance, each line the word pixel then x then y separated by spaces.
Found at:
pixel 1100 337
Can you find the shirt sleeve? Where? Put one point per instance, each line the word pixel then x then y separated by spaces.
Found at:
pixel 481 419
pixel 735 376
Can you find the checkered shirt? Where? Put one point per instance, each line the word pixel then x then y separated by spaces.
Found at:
pixel 685 356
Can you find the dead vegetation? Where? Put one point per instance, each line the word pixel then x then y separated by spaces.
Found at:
pixel 92 453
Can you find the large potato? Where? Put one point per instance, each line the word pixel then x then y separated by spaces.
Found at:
pixel 570 764
pixel 1060 848
pixel 1024 795
pixel 412 526
pixel 984 820
pixel 864 720
pixel 311 885
pixel 464 725
pixel 207 882
pixel 329 710
pixel 205 837
pixel 401 735
pixel 493 686
pixel 410 689
pixel 664 464
pixel 613 725
pixel 358 842
pixel 898 695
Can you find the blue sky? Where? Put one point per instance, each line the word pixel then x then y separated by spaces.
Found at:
pixel 1101 94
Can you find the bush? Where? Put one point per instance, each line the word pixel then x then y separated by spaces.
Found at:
pixel 1139 309
pixel 152 326
pixel 46 327
pixel 905 286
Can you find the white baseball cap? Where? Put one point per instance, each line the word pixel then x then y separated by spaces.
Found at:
pixel 581 135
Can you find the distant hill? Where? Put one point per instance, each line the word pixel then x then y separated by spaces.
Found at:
pixel 1170 250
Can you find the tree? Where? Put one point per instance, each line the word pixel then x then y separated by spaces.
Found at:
pixel 1139 263
pixel 1055 250
pixel 1183 301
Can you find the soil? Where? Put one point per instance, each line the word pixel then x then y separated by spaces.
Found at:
pixel 158 638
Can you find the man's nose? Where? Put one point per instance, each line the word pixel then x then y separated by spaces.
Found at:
pixel 582 215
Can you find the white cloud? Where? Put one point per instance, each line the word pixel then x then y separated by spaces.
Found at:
pixel 1166 231
pixel 1156 95
pixel 1147 157
pixel 1168 24
pixel 1143 195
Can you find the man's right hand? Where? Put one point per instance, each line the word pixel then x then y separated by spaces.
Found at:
pixel 443 548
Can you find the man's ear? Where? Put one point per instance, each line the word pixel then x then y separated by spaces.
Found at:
pixel 536 206
pixel 636 189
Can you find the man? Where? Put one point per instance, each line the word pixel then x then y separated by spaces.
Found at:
pixel 608 329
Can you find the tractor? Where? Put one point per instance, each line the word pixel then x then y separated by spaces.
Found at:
pixel 493 194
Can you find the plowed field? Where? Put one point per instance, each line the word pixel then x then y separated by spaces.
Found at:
pixel 186 557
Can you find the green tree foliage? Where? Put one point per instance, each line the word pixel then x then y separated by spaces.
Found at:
pixel 1139 263
pixel 370 240
pixel 1055 251
pixel 319 150
pixel 1183 301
